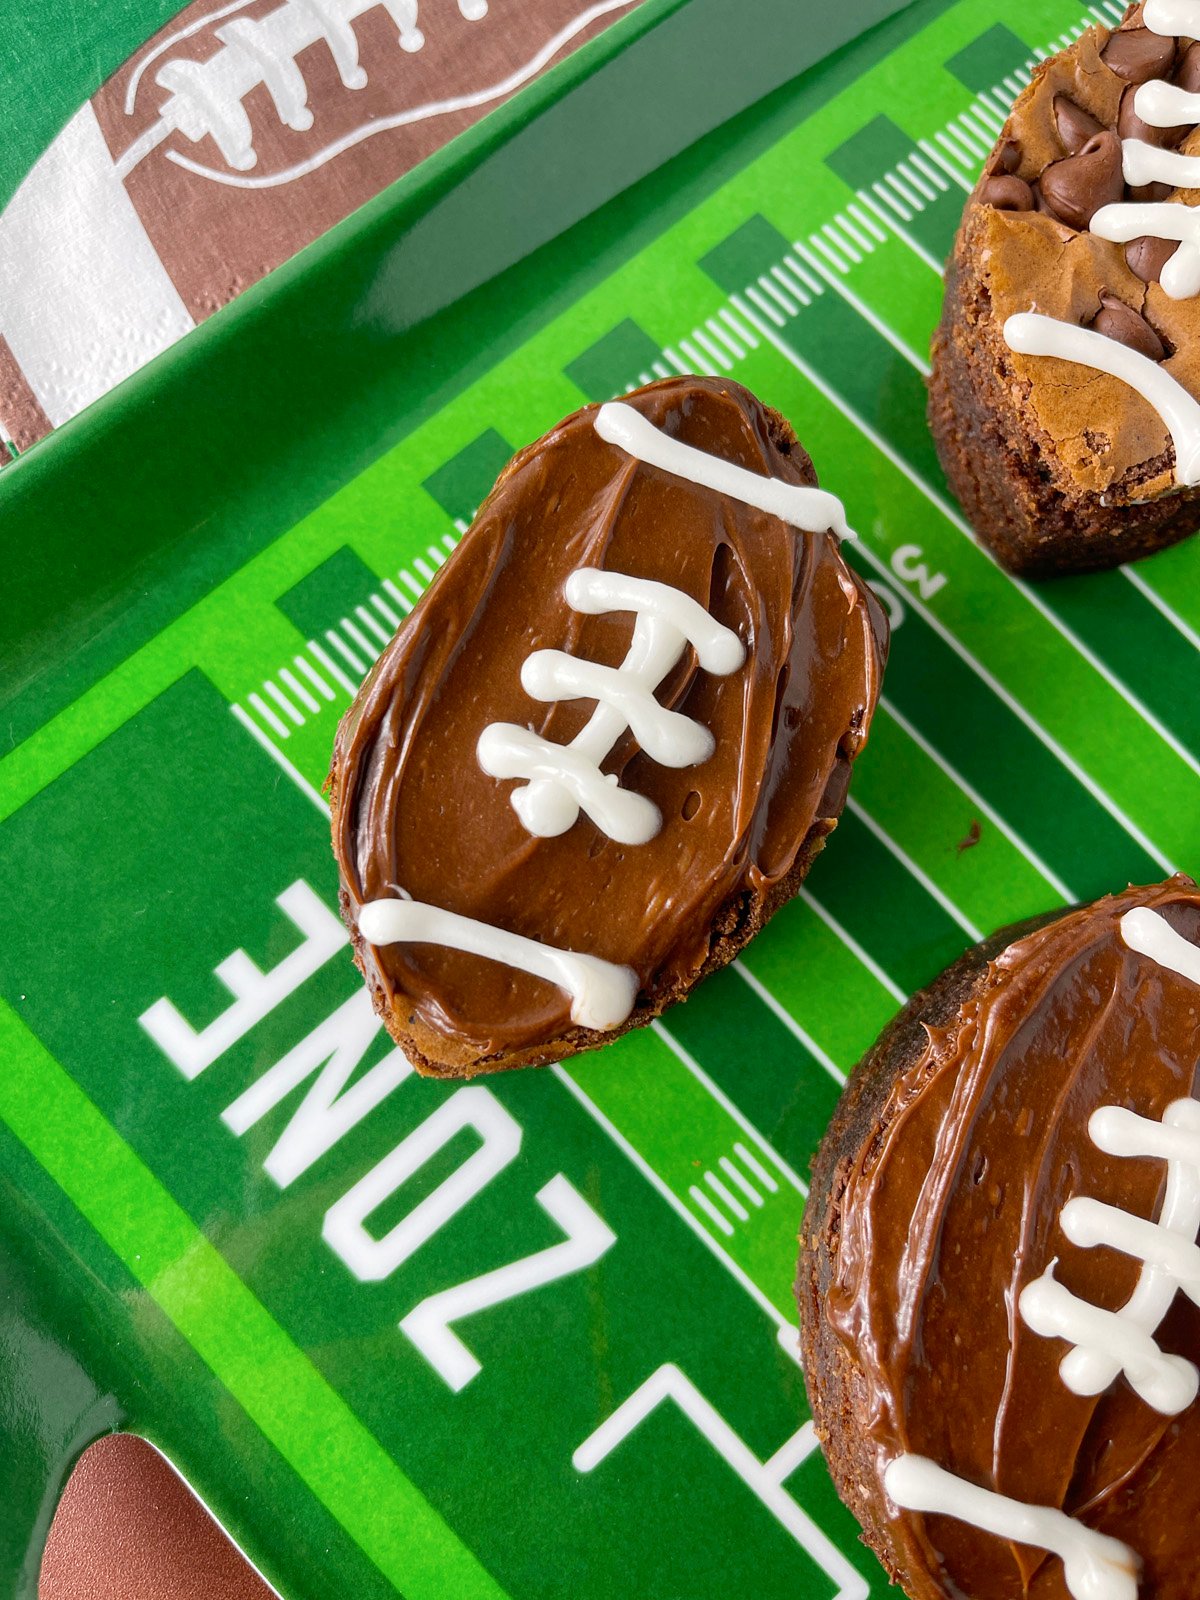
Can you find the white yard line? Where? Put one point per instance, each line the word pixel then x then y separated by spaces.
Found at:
pixel 693 1066
pixel 917 872
pixel 278 757
pixel 884 448
pixel 852 944
pixel 699 1198
pixel 267 715
pixel 672 1199
pixel 864 311
pixel 736 1175
pixel 900 231
pixel 978 802
pixel 284 704
pixel 331 667
pixel 785 1016
pixel 301 693
pixel 726 1197
pixel 1134 577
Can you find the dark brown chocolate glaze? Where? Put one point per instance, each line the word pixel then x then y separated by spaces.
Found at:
pixel 413 809
pixel 1061 468
pixel 936 1198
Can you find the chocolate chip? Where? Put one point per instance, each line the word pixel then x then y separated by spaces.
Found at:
pixel 1131 126
pixel 1006 159
pixel 1137 55
pixel 1148 256
pixel 1150 191
pixel 1075 125
pixel 1007 193
pixel 1188 75
pixel 1116 320
pixel 1076 188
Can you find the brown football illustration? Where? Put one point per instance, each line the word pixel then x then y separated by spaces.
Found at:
pixel 240 132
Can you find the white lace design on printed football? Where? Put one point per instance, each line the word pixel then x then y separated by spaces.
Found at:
pixel 206 98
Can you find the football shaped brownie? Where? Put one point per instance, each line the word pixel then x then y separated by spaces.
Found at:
pixel 610 740
pixel 1000 1279
pixel 1066 374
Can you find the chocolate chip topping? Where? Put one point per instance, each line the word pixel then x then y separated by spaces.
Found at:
pixel 1150 191
pixel 1006 159
pixel 1131 126
pixel 1007 193
pixel 1138 55
pixel 1075 125
pixel 1074 189
pixel 1148 256
pixel 1188 76
pixel 1116 320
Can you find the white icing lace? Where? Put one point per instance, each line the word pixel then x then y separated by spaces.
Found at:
pixel 562 780
pixel 1107 1343
pixel 1161 105
pixel 1095 1566
pixel 206 97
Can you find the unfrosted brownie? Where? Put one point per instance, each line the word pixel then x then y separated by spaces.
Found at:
pixel 1063 466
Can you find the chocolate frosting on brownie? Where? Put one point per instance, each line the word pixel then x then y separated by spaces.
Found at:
pixel 955 1207
pixel 415 812
pixel 1059 161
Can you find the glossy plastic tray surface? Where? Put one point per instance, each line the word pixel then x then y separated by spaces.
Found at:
pixel 533 1336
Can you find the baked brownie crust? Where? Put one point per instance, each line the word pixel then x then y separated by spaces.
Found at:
pixel 430 1053
pixel 1000 464
pixel 1062 468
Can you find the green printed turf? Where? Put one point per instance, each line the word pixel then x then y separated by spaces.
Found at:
pixel 1034 746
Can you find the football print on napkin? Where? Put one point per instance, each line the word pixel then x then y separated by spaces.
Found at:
pixel 238 134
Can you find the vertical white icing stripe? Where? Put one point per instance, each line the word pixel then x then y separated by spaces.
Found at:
pixel 1152 935
pixel 1105 1343
pixel 1032 334
pixel 1162 105
pixel 1166 105
pixel 595 593
pixel 1147 163
pixel 1095 1566
pixel 1172 17
pixel 565 779
pixel 1122 221
pixel 1088 1223
pixel 813 510
pixel 602 993
pixel 561 782
pixel 667 737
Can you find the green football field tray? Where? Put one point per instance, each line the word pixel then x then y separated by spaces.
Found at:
pixel 560 1359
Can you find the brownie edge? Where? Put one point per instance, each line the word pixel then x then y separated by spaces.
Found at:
pixel 836 1391
pixel 1035 521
